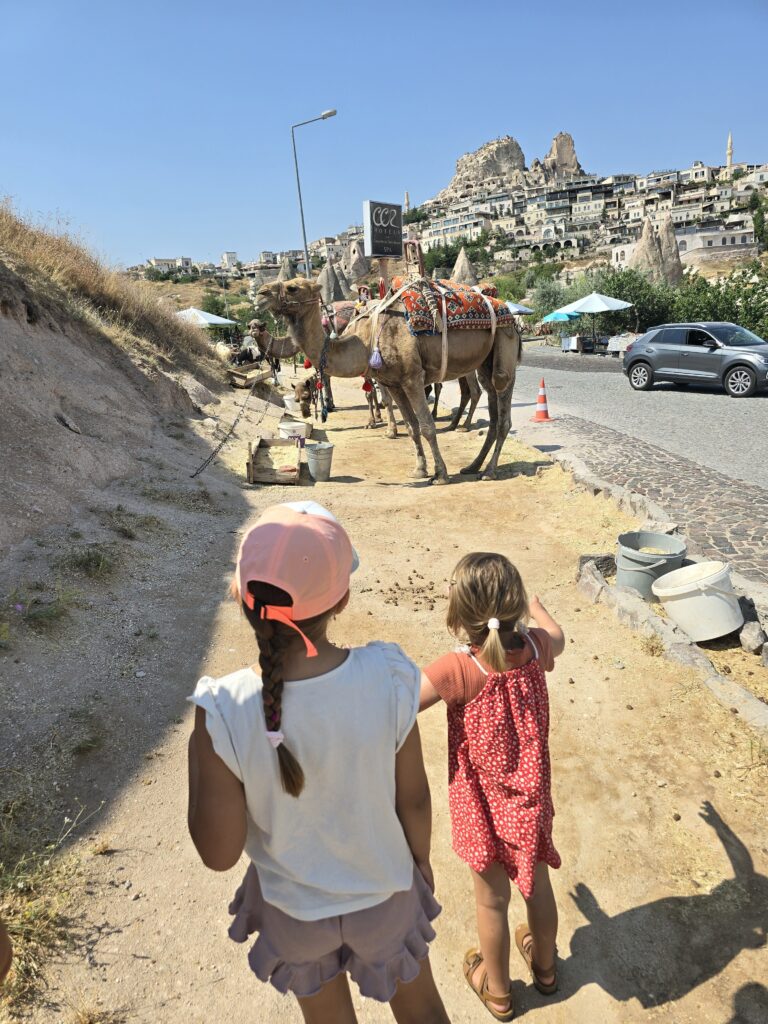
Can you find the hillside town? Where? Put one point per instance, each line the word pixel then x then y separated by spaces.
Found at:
pixel 551 208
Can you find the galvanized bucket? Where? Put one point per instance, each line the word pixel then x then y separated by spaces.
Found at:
pixel 640 569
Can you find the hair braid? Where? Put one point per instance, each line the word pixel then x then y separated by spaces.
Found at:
pixel 274 640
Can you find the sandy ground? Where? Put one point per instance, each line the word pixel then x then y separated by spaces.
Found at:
pixel 655 924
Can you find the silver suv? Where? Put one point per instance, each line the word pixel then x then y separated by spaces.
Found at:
pixel 720 354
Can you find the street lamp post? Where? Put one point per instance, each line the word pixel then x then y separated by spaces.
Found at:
pixel 323 117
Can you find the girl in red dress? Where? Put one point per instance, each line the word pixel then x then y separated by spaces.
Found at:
pixel 499 782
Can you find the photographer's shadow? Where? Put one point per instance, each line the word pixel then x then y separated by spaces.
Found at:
pixel 659 952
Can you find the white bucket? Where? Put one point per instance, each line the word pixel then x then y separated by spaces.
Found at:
pixel 319 458
pixel 294 428
pixel 699 599
pixel 291 404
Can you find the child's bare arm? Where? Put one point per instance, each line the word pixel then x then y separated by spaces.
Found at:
pixel 429 694
pixel 544 621
pixel 413 802
pixel 216 815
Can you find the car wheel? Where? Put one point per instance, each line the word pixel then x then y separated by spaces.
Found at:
pixel 740 382
pixel 641 377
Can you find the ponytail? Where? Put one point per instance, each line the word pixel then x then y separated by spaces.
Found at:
pixel 274 640
pixel 493 652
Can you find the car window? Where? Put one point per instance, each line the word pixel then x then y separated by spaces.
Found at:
pixel 672 336
pixel 731 334
pixel 698 337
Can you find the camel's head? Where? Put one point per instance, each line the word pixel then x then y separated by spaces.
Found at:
pixel 255 327
pixel 288 298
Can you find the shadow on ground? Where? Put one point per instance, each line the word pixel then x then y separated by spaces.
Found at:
pixel 659 952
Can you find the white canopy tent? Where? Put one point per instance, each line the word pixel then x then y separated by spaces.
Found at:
pixel 199 318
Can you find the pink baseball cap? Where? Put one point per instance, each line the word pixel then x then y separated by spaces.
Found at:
pixel 302 549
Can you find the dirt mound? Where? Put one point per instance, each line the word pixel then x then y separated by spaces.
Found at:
pixel 87 383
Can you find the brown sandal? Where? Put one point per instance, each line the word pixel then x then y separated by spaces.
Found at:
pixel 472 960
pixel 523 932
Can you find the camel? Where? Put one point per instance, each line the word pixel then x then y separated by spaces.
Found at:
pixel 408 364
pixel 470 392
pixel 305 391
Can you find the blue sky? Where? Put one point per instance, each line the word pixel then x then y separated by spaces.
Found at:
pixel 163 128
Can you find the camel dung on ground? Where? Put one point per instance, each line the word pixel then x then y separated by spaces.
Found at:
pixel 408 363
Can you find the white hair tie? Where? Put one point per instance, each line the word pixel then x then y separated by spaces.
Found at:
pixel 494 624
pixel 275 737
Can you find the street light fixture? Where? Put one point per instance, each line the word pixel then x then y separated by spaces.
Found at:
pixel 323 117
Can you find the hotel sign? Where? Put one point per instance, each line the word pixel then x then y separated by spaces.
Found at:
pixel 383 227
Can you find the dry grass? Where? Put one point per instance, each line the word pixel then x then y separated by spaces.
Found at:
pixel 128 311
pixel 84 1013
pixel 36 889
pixel 652 645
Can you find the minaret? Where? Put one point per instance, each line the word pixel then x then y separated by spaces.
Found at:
pixel 407 203
pixel 729 153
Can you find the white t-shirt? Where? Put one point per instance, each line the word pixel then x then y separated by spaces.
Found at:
pixel 340 846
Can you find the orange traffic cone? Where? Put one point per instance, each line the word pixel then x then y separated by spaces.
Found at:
pixel 542 412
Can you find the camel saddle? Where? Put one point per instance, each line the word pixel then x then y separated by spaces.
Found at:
pixel 466 307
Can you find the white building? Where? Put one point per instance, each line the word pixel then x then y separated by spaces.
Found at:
pixel 229 261
pixel 453 228
pixel 737 235
pixel 176 264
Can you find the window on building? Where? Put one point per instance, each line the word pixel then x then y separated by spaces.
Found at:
pixel 723 241
pixel 709 242
pixel 733 240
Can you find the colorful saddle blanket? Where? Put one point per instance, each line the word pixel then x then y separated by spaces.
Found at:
pixel 466 308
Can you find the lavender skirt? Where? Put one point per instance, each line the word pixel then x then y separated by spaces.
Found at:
pixel 379 946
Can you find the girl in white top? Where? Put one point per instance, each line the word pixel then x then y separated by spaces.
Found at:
pixel 313 766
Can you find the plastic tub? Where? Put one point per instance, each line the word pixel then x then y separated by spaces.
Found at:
pixel 291 404
pixel 640 569
pixel 319 459
pixel 699 599
pixel 294 428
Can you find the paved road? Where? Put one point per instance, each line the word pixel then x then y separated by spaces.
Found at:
pixel 725 434
pixel 700 455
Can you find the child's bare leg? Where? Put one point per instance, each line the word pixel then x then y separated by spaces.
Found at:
pixel 492 899
pixel 418 1001
pixel 331 1005
pixel 542 920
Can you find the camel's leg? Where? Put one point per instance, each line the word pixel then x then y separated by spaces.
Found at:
pixel 484 375
pixel 413 422
pixel 475 391
pixel 438 391
pixel 329 403
pixel 415 394
pixel 376 405
pixel 504 405
pixel 371 419
pixel 463 399
pixel 390 406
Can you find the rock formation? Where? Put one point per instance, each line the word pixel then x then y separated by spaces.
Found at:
pixel 355 264
pixel 287 269
pixel 501 164
pixel 330 289
pixel 670 254
pixel 561 160
pixel 463 271
pixel 344 284
pixel 656 255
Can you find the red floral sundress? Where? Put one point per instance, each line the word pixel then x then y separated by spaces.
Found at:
pixel 499 777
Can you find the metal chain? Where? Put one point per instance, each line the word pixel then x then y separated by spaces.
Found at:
pixel 209 459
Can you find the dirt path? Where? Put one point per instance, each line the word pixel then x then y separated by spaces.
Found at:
pixel 653 924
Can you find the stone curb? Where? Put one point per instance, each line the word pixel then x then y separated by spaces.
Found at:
pixel 638 504
pixel 633 611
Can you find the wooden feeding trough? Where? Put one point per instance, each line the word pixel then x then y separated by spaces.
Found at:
pixel 247 375
pixel 273 460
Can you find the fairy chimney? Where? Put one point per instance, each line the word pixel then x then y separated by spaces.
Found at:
pixel 463 271
pixel 670 254
pixel 330 289
pixel 287 269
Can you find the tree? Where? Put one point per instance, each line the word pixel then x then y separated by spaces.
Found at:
pixel 213 303
pixel 417 215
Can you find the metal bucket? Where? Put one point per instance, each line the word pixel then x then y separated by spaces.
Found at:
pixel 640 569
pixel 319 458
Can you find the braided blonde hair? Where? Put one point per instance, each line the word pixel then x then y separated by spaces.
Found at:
pixel 487 586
